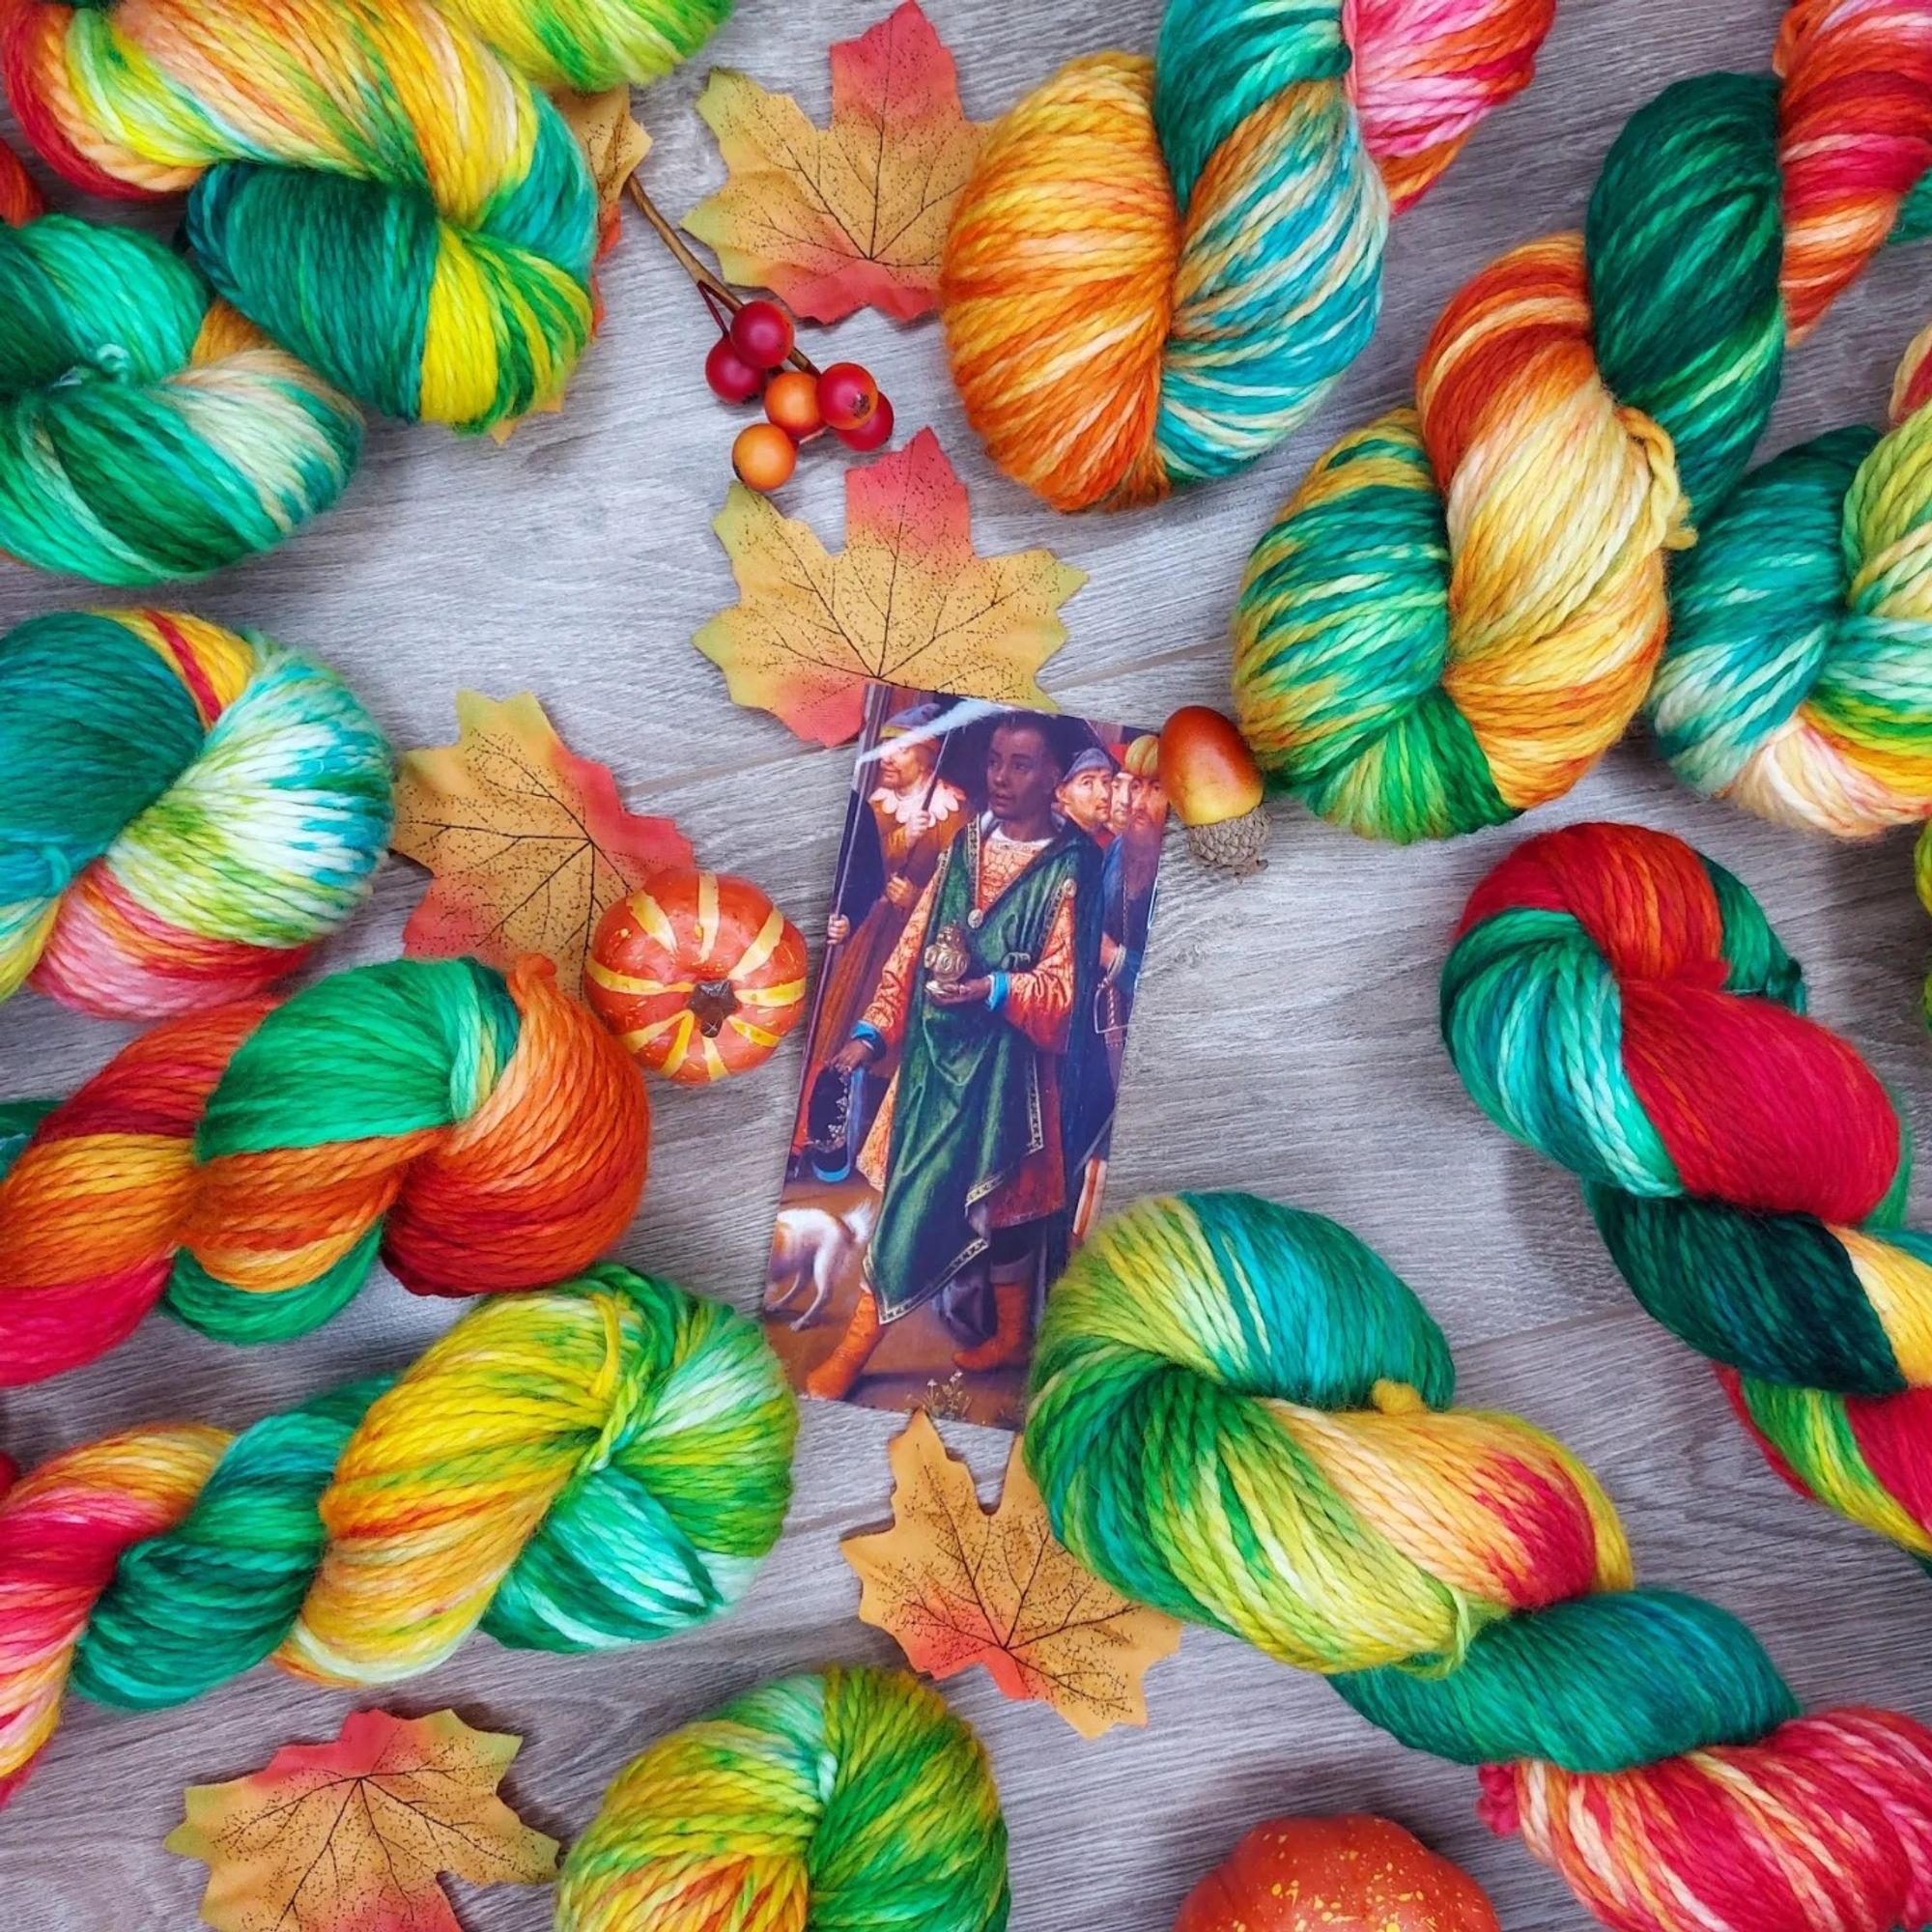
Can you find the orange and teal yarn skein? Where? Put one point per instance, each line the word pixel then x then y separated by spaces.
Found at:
pixel 599 1463
pixel 245 1167
pixel 1796 679
pixel 1240 1415
pixel 1158 267
pixel 188 813
pixel 1619 1003
pixel 849 1798
pixel 1462 607
pixel 147 432
pixel 367 182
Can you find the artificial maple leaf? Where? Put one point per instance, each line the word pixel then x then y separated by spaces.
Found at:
pixel 526 844
pixel 832 218
pixel 908 600
pixel 613 143
pixel 353 1837
pixel 954 1586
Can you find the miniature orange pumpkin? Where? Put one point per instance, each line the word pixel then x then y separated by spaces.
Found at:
pixel 1350 1874
pixel 698 975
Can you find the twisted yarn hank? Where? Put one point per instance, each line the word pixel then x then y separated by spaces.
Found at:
pixel 187 811
pixel 247 1165
pixel 1158 269
pixel 368 182
pixel 147 432
pixel 849 1798
pixel 1462 606
pixel 593 45
pixel 600 1462
pixel 1240 1415
pixel 1619 1001
pixel 1796 680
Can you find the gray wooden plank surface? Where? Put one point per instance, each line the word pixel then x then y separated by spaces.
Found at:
pixel 1285 1040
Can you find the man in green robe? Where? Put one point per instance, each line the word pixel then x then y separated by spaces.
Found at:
pixel 987 1003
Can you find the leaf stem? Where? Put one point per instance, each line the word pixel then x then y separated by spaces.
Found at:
pixel 714 291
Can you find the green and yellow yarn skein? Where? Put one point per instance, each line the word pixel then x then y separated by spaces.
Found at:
pixel 601 1463
pixel 378 185
pixel 1240 1415
pixel 147 432
pixel 1463 604
pixel 847 1801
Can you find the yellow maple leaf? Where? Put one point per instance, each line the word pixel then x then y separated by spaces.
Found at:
pixel 956 1586
pixel 832 218
pixel 353 1835
pixel 908 600
pixel 526 844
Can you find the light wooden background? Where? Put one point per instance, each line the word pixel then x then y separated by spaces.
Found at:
pixel 1284 1040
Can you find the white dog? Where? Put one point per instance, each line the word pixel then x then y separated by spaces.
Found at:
pixel 811 1245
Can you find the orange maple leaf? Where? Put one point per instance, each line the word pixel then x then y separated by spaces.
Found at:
pixel 954 1586
pixel 353 1837
pixel 832 218
pixel 908 600
pixel 526 844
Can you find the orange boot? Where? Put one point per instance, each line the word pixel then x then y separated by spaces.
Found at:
pixel 1008 1343
pixel 833 1378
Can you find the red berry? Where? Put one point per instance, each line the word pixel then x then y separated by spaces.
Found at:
pixel 761 333
pixel 765 457
pixel 729 375
pixel 875 433
pixel 847 395
pixel 791 400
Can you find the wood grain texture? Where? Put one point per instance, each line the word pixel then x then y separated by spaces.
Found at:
pixel 1284 1040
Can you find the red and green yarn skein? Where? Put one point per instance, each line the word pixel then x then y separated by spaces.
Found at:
pixel 1618 1002
pixel 246 1167
pixel 599 1463
pixel 847 1799
pixel 188 811
pixel 1463 604
pixel 1240 1415
pixel 147 432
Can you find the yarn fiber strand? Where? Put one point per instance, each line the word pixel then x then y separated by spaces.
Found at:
pixel 147 432
pixel 1240 1415
pixel 188 811
pixel 849 1798
pixel 600 1462
pixel 1158 267
pixel 248 1166
pixel 1619 1001
pixel 1462 606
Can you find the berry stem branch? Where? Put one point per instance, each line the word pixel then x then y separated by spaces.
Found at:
pixel 714 291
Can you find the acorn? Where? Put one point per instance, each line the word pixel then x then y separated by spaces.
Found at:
pixel 1214 785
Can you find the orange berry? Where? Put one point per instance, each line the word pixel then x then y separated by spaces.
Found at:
pixel 765 457
pixel 791 400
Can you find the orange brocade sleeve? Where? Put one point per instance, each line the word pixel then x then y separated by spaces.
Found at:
pixel 1040 1002
pixel 889 1006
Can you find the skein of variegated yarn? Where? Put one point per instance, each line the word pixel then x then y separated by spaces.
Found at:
pixel 847 1798
pixel 1239 1415
pixel 1796 679
pixel 1620 1003
pixel 370 182
pixel 599 1463
pixel 1462 606
pixel 188 810
pixel 246 1167
pixel 1158 267
pixel 147 433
